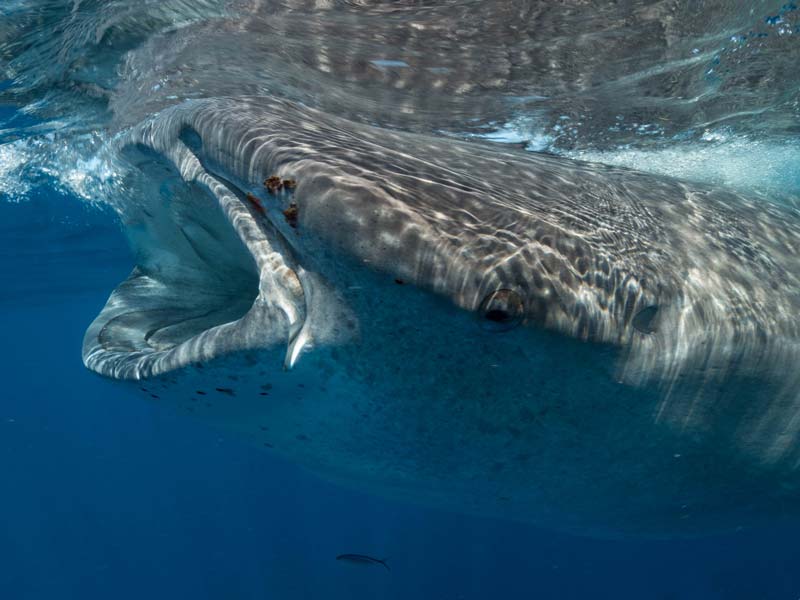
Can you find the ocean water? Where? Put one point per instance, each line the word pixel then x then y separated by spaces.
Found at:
pixel 108 492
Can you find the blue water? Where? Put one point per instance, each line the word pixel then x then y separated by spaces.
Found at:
pixel 106 496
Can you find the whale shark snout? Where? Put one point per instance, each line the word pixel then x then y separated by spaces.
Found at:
pixel 463 325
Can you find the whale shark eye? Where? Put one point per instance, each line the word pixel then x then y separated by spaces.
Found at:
pixel 501 310
pixel 645 320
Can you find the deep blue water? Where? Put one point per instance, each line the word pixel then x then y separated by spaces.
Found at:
pixel 106 496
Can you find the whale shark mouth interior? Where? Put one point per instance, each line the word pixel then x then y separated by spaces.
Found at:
pixel 194 274
pixel 210 275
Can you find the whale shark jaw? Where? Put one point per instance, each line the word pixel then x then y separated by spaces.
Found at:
pixel 461 325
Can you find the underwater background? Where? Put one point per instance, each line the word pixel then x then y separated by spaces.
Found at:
pixel 106 496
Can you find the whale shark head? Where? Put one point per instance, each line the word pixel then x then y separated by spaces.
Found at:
pixel 462 324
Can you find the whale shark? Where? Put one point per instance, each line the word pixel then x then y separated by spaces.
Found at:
pixel 463 324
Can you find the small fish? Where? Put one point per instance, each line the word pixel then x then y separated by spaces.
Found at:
pixel 363 559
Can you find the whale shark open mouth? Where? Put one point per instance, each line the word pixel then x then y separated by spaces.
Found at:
pixel 212 278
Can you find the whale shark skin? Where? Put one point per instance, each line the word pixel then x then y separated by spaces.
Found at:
pixel 464 325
